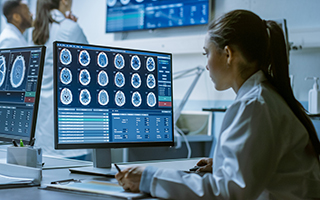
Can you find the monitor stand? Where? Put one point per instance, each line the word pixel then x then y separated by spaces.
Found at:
pixel 101 164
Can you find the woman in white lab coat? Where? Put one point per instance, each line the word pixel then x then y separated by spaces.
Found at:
pixel 267 147
pixel 54 22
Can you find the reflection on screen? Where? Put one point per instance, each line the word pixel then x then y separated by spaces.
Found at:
pixel 112 96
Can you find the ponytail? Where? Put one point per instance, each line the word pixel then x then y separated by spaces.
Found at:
pixel 40 34
pixel 277 73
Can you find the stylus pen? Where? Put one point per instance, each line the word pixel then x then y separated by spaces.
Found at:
pixel 119 170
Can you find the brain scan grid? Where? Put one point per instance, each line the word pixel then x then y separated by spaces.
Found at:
pixel 3 69
pixel 17 71
pixel 113 92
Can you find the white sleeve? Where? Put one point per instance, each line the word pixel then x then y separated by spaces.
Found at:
pixel 242 165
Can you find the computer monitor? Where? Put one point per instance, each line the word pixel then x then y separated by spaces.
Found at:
pixel 109 97
pixel 20 84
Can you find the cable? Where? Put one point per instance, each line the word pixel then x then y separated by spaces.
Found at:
pixel 186 141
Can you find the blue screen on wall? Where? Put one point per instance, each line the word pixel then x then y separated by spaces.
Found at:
pixel 129 15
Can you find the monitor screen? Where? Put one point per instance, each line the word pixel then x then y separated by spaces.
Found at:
pixel 128 15
pixel 20 84
pixel 107 97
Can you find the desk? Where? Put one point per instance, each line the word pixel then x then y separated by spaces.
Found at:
pixel 63 173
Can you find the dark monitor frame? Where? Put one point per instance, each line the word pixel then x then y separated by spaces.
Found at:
pixel 101 146
pixel 37 97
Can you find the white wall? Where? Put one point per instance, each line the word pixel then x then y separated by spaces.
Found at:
pixel 303 21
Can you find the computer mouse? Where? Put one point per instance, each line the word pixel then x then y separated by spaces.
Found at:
pixel 195 168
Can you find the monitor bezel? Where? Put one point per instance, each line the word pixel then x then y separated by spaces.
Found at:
pixel 38 92
pixel 101 145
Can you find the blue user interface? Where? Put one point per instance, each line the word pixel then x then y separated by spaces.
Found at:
pixel 127 15
pixel 20 72
pixel 111 95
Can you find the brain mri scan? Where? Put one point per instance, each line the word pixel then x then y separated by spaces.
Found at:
pixel 120 98
pixel 65 56
pixel 136 80
pixel 65 76
pixel 84 58
pixel 17 71
pixel 103 79
pixel 66 96
pixel 136 99
pixel 103 98
pixel 102 59
pixel 3 69
pixel 151 81
pixel 119 61
pixel 135 62
pixel 119 79
pixel 85 97
pixel 151 65
pixel 151 99
pixel 84 77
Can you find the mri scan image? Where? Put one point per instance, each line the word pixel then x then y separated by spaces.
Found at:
pixel 85 97
pixel 119 61
pixel 102 59
pixel 120 98
pixel 111 3
pixel 65 56
pixel 151 81
pixel 119 79
pixel 65 76
pixel 103 98
pixel 151 65
pixel 151 99
pixel 84 77
pixel 17 71
pixel 66 96
pixel 103 79
pixel 135 62
pixel 135 80
pixel 84 58
pixel 136 99
pixel 3 69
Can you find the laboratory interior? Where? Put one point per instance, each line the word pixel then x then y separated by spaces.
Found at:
pixel 189 106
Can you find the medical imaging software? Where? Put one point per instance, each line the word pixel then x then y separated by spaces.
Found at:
pixel 20 79
pixel 112 95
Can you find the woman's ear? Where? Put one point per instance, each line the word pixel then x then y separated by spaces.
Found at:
pixel 229 54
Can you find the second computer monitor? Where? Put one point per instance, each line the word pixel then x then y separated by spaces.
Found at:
pixel 108 97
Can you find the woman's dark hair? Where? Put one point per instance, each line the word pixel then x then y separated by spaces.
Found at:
pixel 40 34
pixel 262 42
pixel 9 8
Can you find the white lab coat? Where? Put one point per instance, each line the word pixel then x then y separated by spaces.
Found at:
pixel 69 31
pixel 260 154
pixel 12 37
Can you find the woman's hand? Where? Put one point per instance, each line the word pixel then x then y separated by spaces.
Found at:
pixel 130 178
pixel 205 165
pixel 69 15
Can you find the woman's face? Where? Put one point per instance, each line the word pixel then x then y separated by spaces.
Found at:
pixel 217 65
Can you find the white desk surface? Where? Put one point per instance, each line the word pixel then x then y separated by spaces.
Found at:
pixel 50 175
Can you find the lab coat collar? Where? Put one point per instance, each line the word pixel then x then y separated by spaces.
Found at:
pixel 14 29
pixel 252 81
pixel 57 15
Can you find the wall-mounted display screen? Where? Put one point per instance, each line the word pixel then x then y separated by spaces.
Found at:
pixel 129 15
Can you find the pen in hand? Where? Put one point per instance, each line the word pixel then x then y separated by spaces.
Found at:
pixel 119 170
